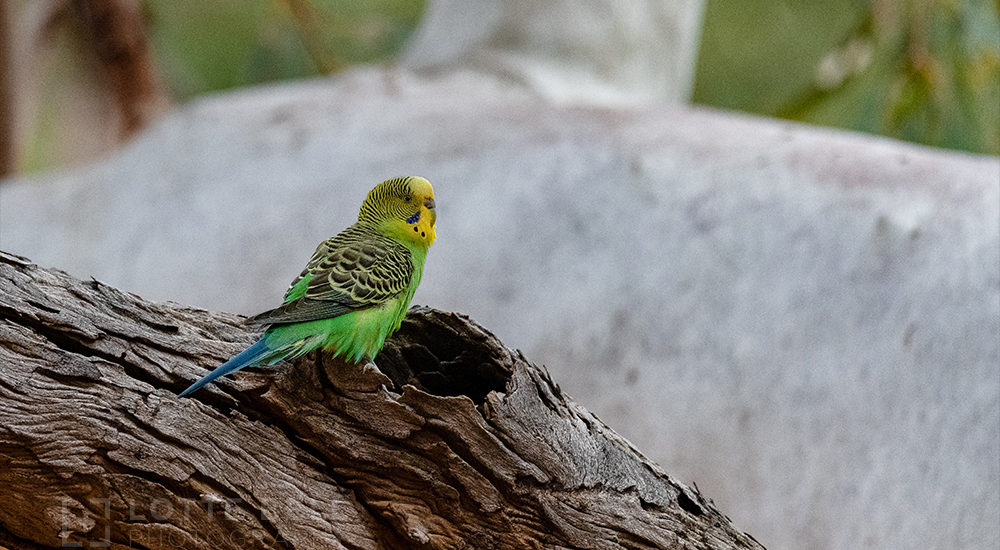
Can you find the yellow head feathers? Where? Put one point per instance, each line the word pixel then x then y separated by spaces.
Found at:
pixel 402 208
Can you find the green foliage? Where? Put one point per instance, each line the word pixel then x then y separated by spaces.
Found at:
pixel 205 46
pixel 926 71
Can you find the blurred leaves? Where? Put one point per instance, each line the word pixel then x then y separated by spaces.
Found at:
pixel 207 46
pixel 63 93
pixel 926 71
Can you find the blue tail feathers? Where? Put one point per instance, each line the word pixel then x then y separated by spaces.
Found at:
pixel 250 356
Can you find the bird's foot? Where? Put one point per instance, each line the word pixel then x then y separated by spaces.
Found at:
pixel 370 365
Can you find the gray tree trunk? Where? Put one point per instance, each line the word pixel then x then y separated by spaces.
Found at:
pixel 459 442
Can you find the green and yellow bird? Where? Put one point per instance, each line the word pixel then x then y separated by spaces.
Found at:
pixel 356 288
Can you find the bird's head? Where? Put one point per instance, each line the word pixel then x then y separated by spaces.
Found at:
pixel 402 208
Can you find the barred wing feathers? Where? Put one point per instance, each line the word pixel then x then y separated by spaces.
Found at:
pixel 357 269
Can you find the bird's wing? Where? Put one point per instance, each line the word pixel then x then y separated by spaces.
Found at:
pixel 345 274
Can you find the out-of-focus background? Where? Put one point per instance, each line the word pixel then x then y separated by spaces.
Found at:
pixel 759 239
pixel 924 71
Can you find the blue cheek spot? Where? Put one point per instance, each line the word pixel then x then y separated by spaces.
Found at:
pixel 414 218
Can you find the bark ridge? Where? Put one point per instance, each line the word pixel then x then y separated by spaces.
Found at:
pixel 454 442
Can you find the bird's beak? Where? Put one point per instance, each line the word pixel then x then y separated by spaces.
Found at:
pixel 429 205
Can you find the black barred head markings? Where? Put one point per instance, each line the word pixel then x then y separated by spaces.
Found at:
pixel 402 207
pixel 389 199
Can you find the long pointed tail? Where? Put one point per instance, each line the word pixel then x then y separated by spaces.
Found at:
pixel 250 356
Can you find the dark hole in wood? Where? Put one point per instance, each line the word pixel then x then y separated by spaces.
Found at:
pixel 430 354
pixel 689 505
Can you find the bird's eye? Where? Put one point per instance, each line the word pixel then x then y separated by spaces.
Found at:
pixel 408 198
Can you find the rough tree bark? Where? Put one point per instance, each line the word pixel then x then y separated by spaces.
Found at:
pixel 461 443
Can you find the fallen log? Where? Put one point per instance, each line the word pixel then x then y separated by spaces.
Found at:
pixel 455 441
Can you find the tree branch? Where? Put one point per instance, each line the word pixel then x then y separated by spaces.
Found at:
pixel 459 442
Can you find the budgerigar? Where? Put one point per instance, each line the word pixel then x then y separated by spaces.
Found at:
pixel 356 288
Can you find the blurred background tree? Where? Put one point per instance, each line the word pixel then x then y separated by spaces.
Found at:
pixel 65 101
pixel 210 46
pixel 926 71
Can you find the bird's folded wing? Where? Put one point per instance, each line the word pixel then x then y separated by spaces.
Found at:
pixel 343 277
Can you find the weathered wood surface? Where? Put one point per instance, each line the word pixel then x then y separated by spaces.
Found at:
pixel 462 443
